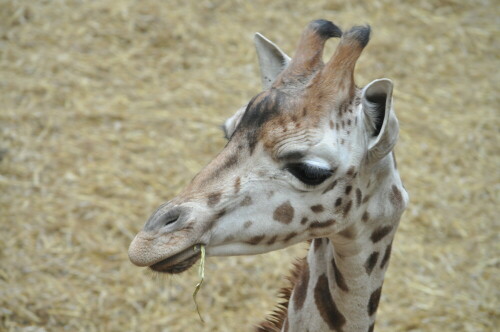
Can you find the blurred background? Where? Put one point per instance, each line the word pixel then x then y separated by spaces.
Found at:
pixel 109 108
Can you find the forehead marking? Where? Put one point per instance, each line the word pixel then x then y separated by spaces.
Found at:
pixel 262 108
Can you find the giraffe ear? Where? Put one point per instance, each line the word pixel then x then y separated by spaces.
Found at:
pixel 380 119
pixel 272 59
pixel 232 122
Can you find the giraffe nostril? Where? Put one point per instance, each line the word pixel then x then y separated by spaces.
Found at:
pixel 169 220
pixel 162 219
pixel 169 217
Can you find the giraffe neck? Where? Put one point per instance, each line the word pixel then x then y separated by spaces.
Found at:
pixel 337 286
pixel 340 284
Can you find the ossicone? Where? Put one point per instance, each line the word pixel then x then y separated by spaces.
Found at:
pixel 308 55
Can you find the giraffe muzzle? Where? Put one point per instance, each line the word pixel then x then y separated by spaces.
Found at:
pixel 170 239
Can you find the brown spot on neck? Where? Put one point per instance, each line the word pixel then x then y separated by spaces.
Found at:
pixel 275 321
pixel 347 207
pixel 395 197
pixel 359 197
pixel 374 300
pixel 366 199
pixel 380 233
pixel 351 171
pixel 348 190
pixel 371 262
pixel 339 278
pixel 387 255
pixel 338 202
pixel 326 306
pixel 365 216
pixel 300 289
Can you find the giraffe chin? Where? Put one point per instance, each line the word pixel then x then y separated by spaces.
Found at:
pixel 177 263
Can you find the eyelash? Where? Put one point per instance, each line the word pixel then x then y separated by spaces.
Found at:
pixel 309 175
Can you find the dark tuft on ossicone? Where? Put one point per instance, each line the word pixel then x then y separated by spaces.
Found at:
pixel 359 33
pixel 326 29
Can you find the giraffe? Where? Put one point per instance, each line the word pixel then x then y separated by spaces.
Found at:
pixel 308 159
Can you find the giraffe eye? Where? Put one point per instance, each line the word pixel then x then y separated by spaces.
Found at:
pixel 308 174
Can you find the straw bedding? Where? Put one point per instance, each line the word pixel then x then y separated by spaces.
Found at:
pixel 108 108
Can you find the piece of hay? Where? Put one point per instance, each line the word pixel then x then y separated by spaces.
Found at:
pixel 201 273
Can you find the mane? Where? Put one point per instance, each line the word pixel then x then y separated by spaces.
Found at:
pixel 274 321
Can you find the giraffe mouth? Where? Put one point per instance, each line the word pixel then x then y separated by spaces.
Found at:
pixel 177 263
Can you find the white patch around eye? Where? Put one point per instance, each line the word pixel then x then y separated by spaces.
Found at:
pixel 319 163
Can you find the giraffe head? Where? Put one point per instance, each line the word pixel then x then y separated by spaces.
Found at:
pixel 300 160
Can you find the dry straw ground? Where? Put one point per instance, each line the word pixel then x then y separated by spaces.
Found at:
pixel 108 108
